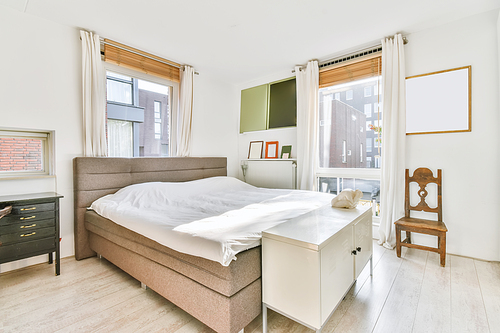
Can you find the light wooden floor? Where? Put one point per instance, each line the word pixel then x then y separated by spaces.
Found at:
pixel 413 294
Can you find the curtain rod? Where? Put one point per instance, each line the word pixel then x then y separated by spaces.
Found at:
pixel 353 55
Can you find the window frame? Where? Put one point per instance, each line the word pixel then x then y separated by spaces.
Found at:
pixel 155 79
pixel 48 143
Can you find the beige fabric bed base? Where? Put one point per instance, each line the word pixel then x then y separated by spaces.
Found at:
pixel 226 314
pixel 224 280
pixel 94 177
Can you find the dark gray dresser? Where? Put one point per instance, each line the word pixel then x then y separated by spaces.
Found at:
pixel 32 228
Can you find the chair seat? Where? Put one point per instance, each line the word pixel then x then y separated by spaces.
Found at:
pixel 421 224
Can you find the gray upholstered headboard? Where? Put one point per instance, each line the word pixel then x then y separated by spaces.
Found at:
pixel 94 177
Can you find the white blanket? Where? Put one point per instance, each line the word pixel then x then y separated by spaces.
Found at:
pixel 213 218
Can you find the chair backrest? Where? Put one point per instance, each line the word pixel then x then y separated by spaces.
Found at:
pixel 423 177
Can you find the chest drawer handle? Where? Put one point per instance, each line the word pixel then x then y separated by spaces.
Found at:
pixel 28 218
pixel 27 235
pixel 28 226
pixel 32 208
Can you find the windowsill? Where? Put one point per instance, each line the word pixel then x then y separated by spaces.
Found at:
pixel 364 173
pixel 26 177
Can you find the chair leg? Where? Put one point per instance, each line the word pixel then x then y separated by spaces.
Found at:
pixel 442 248
pixel 408 237
pixel 398 241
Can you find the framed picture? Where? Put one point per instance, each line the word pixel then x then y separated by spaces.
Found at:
pixel 439 102
pixel 255 149
pixel 286 152
pixel 272 149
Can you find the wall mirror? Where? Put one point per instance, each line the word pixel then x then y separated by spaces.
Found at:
pixel 439 102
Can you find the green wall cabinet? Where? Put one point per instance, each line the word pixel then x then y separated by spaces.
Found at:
pixel 253 116
pixel 283 104
pixel 271 105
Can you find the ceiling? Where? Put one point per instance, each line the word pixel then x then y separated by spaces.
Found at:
pixel 238 41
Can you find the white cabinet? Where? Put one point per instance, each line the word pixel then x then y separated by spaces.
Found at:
pixel 310 262
pixel 363 244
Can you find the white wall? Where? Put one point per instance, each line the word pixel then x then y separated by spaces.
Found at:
pixel 214 121
pixel 40 89
pixel 498 89
pixel 470 160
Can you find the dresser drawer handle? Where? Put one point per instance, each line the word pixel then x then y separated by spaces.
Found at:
pixel 28 218
pixel 31 208
pixel 27 235
pixel 28 226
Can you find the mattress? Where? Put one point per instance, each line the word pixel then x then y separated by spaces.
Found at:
pixel 214 218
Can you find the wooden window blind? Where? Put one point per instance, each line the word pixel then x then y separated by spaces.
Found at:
pixel 126 56
pixel 351 71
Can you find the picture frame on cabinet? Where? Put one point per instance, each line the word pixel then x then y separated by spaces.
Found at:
pixel 272 149
pixel 286 152
pixel 255 149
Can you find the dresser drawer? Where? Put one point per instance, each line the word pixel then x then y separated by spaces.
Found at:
pixel 26 226
pixel 32 208
pixel 26 249
pixel 28 217
pixel 26 236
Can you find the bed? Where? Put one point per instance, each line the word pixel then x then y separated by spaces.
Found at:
pixel 225 294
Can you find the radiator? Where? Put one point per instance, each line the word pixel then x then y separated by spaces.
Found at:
pixel 271 173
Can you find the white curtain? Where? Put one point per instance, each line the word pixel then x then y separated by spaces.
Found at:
pixel 307 122
pixel 392 185
pixel 185 112
pixel 94 96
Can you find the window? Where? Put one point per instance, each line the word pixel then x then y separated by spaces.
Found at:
pixel 138 112
pixel 344 151
pixel 142 89
pixel 157 108
pixel 368 91
pixel 119 88
pixel 368 110
pixel 347 156
pixel 344 136
pixel 337 96
pixel 25 153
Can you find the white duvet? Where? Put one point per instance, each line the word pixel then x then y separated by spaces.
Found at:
pixel 213 218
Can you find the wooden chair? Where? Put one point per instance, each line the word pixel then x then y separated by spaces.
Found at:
pixel 423 177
